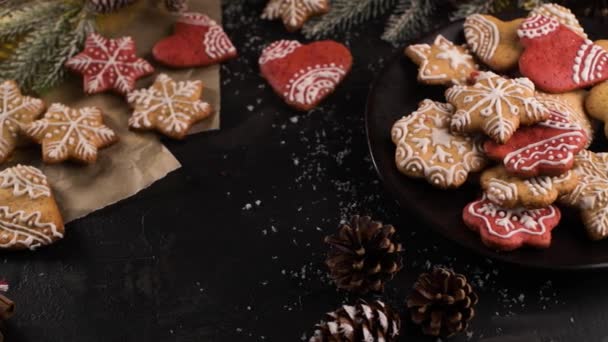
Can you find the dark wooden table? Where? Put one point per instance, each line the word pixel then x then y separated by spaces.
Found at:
pixel 229 248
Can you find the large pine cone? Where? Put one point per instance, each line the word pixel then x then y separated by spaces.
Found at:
pixel 362 322
pixel 363 255
pixel 442 302
pixel 108 6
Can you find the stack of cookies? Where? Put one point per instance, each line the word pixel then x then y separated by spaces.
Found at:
pixel 527 135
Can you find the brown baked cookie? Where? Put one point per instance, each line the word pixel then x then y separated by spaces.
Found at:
pixel 596 102
pixel 493 41
pixel 29 216
pixel 510 191
pixel 572 103
pixel 443 62
pixel 562 14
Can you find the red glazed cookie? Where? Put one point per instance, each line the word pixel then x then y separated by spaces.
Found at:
pixel 304 75
pixel 509 229
pixel 557 59
pixel 197 41
pixel 545 149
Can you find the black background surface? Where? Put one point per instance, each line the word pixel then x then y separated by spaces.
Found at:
pixel 229 247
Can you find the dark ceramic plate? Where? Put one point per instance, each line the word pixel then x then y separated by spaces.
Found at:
pixel 396 93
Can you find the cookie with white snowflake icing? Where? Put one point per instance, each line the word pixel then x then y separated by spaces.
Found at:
pixel 508 229
pixel 443 62
pixel 109 64
pixel 562 14
pixel 427 149
pixel 591 193
pixel 511 191
pixel 495 105
pixel 294 13
pixel 67 133
pixel 29 216
pixel 168 106
pixel 16 111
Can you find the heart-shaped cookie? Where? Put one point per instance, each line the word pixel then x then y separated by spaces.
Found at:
pixel 197 41
pixel 305 74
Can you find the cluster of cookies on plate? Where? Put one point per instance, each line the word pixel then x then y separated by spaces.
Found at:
pixel 528 134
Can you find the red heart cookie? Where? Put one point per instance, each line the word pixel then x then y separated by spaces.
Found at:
pixel 197 41
pixel 305 74
pixel 557 59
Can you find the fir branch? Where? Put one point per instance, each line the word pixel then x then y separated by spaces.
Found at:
pixel 470 7
pixel 26 18
pixel 411 18
pixel 344 14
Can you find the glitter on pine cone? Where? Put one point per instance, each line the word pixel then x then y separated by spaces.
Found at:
pixel 363 255
pixel 442 302
pixel 108 6
pixel 361 322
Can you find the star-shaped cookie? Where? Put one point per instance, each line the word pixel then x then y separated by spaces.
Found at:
pixel 67 133
pixel 443 62
pixel 591 192
pixel 495 105
pixel 16 111
pixel 109 64
pixel 294 13
pixel 168 106
pixel 427 149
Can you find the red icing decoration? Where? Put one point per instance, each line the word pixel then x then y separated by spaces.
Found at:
pixel 197 41
pixel 305 74
pixel 509 229
pixel 557 59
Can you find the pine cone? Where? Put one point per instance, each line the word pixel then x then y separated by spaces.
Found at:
pixel 362 322
pixel 442 302
pixel 178 6
pixel 108 6
pixel 363 255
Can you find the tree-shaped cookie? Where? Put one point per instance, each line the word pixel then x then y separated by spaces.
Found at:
pixel 168 106
pixel 294 13
pixel 495 105
pixel 67 133
pixel 427 149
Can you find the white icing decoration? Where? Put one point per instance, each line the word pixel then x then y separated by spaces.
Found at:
pixel 500 191
pixel 199 19
pixel 21 228
pixel 293 12
pixel 25 180
pixel 562 14
pixel 482 36
pixel 310 84
pixel 278 50
pixel 537 26
pixel 590 60
pixel 217 44
pixel 460 62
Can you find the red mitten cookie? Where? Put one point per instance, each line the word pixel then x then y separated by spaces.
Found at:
pixel 197 41
pixel 305 74
pixel 509 229
pixel 557 59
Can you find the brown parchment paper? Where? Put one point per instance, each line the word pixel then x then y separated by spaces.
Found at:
pixel 136 160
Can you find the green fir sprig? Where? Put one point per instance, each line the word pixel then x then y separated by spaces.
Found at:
pixel 410 19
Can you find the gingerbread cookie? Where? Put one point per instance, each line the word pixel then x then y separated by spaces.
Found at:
pixel 508 229
pixel 572 103
pixel 168 106
pixel 545 149
pixel 67 133
pixel 304 75
pixel 197 40
pixel 557 59
pixel 591 192
pixel 562 14
pixel 109 64
pixel 427 149
pixel 495 105
pixel 294 13
pixel 443 62
pixel 493 41
pixel 29 217
pixel 537 192
pixel 16 111
pixel 596 102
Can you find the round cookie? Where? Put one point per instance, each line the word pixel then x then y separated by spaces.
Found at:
pixel 443 62
pixel 493 41
pixel 562 14
pixel 427 149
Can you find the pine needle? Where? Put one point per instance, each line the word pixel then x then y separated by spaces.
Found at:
pixel 473 6
pixel 25 19
pixel 411 19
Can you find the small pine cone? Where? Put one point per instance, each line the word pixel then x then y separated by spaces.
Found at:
pixel 363 255
pixel 108 6
pixel 362 322
pixel 178 6
pixel 442 302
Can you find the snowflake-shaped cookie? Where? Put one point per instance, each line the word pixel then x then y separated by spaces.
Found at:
pixel 109 64
pixel 294 13
pixel 495 105
pixel 168 106
pixel 510 191
pixel 427 149
pixel 591 192
pixel 67 133
pixel 16 111
pixel 509 229
pixel 443 62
